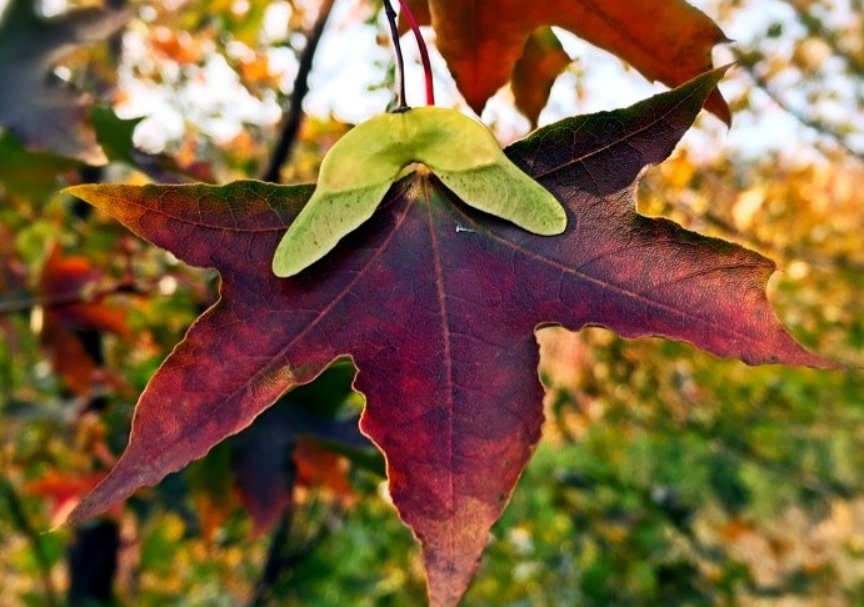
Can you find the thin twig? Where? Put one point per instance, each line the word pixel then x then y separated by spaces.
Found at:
pixel 82 296
pixel 738 448
pixel 291 544
pixel 811 256
pixel 294 114
pixel 808 121
pixel 678 517
pixel 22 523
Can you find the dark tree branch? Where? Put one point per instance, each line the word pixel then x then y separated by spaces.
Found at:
pixel 297 535
pixel 294 114
pixel 92 560
pixel 401 104
pixel 276 561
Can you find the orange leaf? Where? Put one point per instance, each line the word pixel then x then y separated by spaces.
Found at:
pixel 69 279
pixel 318 467
pixel 178 46
pixel 259 71
pixel 64 287
pixel 666 40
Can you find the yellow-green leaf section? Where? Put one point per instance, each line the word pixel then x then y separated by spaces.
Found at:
pixel 359 169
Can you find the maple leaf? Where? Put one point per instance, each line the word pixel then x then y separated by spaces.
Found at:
pixel 35 105
pixel 666 40
pixel 437 304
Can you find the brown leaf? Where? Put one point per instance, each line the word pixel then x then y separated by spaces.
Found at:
pixel 320 468
pixel 178 46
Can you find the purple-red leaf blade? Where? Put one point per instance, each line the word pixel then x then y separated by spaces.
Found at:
pixel 437 304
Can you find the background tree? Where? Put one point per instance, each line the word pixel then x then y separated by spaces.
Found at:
pixel 665 475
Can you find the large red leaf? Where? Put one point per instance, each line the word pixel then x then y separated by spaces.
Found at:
pixel 437 304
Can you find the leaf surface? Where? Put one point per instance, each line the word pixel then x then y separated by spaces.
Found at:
pixel 666 40
pixel 437 303
pixel 36 106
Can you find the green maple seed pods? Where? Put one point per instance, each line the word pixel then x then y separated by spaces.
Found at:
pixel 359 169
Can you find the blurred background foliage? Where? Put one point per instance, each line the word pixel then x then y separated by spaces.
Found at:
pixel 666 476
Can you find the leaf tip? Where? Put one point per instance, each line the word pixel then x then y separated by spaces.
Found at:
pixel 549 217
pixel 559 223
pixel 713 98
pixel 289 258
pixel 55 528
pixel 84 191
pixel 80 513
pixel 815 361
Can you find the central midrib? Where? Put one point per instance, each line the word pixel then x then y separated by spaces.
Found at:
pixel 448 370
